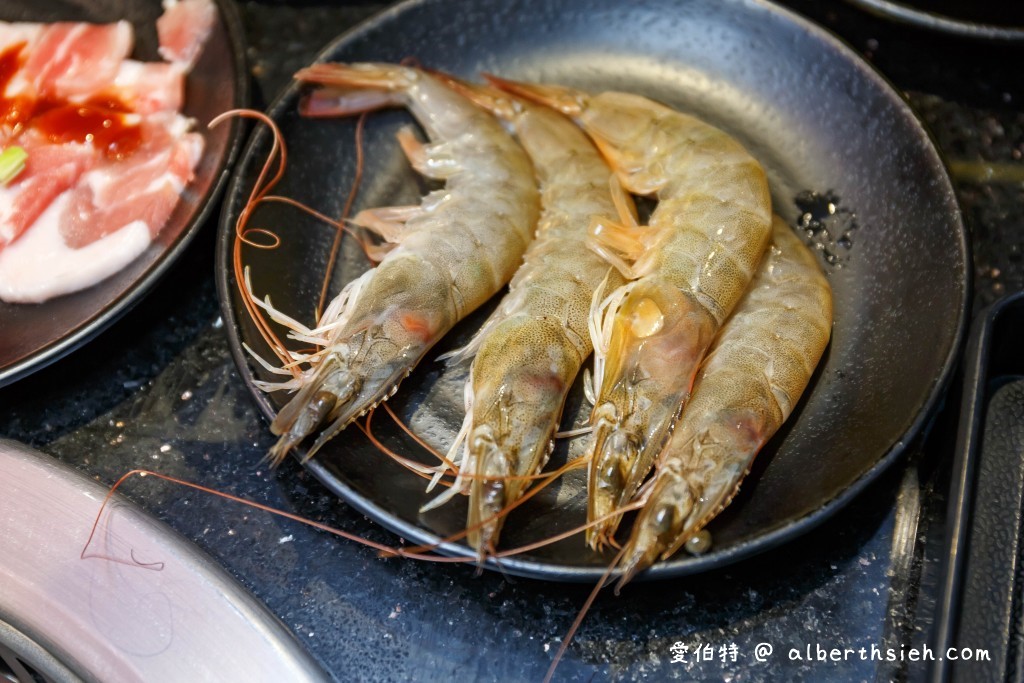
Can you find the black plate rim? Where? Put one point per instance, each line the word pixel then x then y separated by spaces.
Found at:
pixel 113 311
pixel 904 14
pixel 681 565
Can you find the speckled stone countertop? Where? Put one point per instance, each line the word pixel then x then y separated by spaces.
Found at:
pixel 159 390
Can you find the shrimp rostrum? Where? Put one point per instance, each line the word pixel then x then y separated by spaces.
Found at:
pixel 448 255
pixel 687 269
pixel 528 353
pixel 753 376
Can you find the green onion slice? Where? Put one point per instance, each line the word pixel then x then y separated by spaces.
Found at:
pixel 12 162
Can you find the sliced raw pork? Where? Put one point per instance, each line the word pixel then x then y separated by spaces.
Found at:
pixel 183 29
pixel 16 33
pixel 70 60
pixel 146 187
pixel 149 87
pixel 41 266
pixel 49 171
pixel 109 154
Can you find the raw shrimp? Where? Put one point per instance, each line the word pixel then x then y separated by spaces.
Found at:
pixel 449 254
pixel 688 268
pixel 754 374
pixel 527 354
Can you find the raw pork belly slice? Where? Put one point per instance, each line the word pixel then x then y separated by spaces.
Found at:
pixel 77 59
pixel 183 28
pixel 109 153
pixel 149 87
pixel 12 34
pixel 49 171
pixel 146 188
pixel 40 266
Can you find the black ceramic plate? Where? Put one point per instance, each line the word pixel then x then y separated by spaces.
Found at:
pixel 34 335
pixel 818 118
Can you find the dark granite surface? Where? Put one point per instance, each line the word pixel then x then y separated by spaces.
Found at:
pixel 159 390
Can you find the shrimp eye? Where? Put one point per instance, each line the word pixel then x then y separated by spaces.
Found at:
pixel 321 405
pixel 699 543
pixel 624 446
pixel 611 476
pixel 664 520
pixel 493 495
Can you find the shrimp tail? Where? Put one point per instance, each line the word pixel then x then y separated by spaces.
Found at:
pixel 370 76
pixel 331 102
pixel 566 100
pixel 349 89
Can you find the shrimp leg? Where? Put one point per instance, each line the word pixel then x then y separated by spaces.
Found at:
pixel 688 268
pixel 756 371
pixel 453 254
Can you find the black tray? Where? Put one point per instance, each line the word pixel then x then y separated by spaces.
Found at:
pixel 981 605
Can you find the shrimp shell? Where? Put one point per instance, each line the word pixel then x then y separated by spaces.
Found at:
pixel 528 353
pixel 754 374
pixel 451 253
pixel 689 267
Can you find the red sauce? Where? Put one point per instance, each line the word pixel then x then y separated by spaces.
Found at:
pixel 10 62
pixel 100 120
pixel 13 110
pixel 103 126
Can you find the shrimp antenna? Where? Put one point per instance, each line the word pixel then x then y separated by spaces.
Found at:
pixel 602 582
pixel 263 185
pixel 427 447
pixel 381 548
pixel 244 235
pixel 414 466
pixel 385 550
pixel 428 472
pixel 547 479
pixel 349 202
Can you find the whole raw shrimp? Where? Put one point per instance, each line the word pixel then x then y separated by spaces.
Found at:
pixel 754 374
pixel 688 268
pixel 452 252
pixel 528 353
